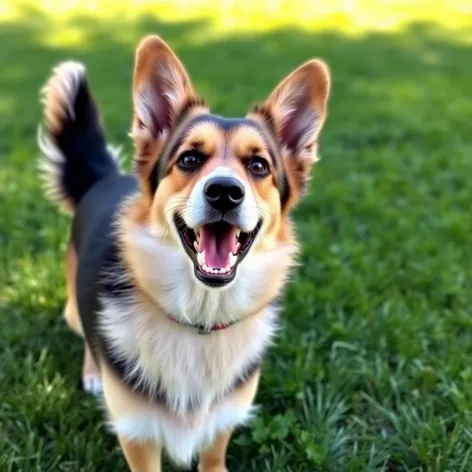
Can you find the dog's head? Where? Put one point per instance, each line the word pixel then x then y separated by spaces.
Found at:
pixel 220 189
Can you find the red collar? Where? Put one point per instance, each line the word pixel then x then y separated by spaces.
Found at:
pixel 202 329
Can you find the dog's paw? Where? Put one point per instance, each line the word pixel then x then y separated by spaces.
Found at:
pixel 92 383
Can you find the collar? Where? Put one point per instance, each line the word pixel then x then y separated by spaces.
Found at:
pixel 202 329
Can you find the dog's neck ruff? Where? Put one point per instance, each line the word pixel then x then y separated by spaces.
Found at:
pixel 202 329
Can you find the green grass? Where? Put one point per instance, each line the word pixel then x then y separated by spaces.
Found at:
pixel 372 368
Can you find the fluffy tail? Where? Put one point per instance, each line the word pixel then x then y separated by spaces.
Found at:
pixel 74 150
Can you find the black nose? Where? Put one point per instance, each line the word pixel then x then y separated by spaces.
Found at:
pixel 224 193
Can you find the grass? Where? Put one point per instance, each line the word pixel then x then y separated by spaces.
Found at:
pixel 371 371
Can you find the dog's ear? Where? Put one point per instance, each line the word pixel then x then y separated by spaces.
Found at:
pixel 296 111
pixel 161 89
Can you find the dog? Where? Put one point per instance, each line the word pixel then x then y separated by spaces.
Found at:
pixel 173 271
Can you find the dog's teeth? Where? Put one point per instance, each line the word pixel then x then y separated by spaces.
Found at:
pixel 232 259
pixel 214 271
pixel 237 247
pixel 195 245
pixel 201 258
pixel 238 232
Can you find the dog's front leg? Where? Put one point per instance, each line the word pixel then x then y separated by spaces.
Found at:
pixel 141 457
pixel 213 458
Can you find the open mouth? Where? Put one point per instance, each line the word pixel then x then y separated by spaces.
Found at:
pixel 216 249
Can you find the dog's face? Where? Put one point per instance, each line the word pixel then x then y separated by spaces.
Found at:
pixel 220 189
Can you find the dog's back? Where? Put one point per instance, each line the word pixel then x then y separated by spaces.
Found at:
pixel 81 175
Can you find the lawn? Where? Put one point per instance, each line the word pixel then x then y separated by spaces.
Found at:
pixel 372 367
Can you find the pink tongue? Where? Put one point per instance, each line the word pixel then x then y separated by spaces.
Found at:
pixel 217 241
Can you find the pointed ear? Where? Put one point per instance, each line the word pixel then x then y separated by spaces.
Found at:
pixel 161 90
pixel 296 111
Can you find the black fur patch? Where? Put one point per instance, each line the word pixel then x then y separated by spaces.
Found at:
pixel 81 140
pixel 285 190
pixel 154 178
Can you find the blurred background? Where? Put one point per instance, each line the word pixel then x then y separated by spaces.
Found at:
pixel 371 370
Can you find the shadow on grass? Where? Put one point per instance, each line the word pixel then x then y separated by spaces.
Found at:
pixel 396 112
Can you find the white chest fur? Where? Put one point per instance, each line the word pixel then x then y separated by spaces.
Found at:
pixel 182 437
pixel 193 370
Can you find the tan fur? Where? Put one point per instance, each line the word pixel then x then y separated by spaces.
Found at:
pixel 206 137
pixel 222 149
pixel 156 67
pixel 71 312
pixel 90 370
pixel 214 458
pixel 148 147
pixel 139 266
pixel 142 268
pixel 149 326
pixel 141 457
pixel 310 79
pixel 309 85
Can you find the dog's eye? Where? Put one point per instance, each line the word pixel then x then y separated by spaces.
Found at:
pixel 189 161
pixel 258 166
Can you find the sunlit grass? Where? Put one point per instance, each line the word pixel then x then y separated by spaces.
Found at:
pixel 371 371
pixel 350 16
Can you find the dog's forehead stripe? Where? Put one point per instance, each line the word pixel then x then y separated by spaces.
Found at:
pixel 230 124
pixel 225 125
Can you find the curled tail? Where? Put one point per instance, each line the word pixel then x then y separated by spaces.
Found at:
pixel 74 151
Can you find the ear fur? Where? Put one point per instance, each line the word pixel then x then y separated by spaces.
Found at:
pixel 296 110
pixel 161 90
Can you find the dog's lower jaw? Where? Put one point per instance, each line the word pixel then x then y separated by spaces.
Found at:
pixel 167 275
